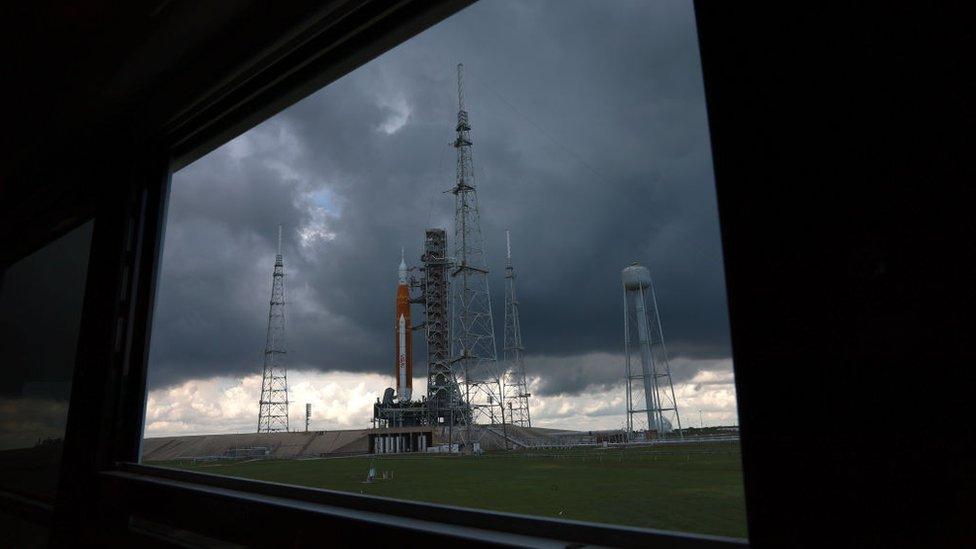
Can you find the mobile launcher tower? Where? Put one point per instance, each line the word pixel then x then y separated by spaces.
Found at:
pixel 445 406
pixel 651 403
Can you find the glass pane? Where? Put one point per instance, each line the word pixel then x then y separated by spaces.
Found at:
pixel 459 278
pixel 41 300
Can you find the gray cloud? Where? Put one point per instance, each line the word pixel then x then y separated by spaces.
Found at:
pixel 591 145
pixel 601 371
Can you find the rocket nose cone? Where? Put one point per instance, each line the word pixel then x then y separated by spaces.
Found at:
pixel 402 270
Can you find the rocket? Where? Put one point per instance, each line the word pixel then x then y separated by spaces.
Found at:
pixel 404 355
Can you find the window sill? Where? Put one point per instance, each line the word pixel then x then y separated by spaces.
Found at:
pixel 214 506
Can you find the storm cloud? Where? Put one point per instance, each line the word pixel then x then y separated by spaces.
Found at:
pixel 590 144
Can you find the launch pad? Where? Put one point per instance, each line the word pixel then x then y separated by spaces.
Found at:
pixel 415 413
pixel 468 388
pixel 392 413
pixel 465 381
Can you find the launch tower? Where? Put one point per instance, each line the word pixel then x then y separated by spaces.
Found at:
pixel 516 391
pixel 444 403
pixel 650 394
pixel 273 412
pixel 473 352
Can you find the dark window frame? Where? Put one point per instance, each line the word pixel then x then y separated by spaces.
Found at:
pixel 842 159
pixel 106 417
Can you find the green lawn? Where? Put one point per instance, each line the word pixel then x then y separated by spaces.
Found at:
pixel 691 488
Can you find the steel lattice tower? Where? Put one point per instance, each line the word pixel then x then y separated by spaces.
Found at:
pixel 473 352
pixel 273 414
pixel 650 392
pixel 444 402
pixel 516 390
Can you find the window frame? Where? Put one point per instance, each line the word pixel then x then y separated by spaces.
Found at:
pixel 149 491
pixel 107 412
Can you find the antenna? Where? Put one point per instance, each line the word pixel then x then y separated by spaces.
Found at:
pixel 460 71
pixel 508 246
pixel 279 238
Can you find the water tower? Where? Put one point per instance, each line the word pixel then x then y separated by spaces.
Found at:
pixel 651 405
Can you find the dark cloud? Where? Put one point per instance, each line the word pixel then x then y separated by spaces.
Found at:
pixel 591 145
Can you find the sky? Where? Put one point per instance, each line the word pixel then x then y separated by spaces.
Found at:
pixel 591 146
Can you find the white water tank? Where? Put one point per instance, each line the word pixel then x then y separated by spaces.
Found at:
pixel 636 277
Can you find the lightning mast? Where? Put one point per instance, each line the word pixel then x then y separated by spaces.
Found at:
pixel 273 413
pixel 473 352
pixel 516 391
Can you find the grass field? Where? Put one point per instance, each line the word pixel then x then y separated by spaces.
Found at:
pixel 691 488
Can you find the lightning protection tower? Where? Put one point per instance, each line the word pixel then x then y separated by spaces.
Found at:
pixel 516 391
pixel 651 404
pixel 273 414
pixel 473 352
